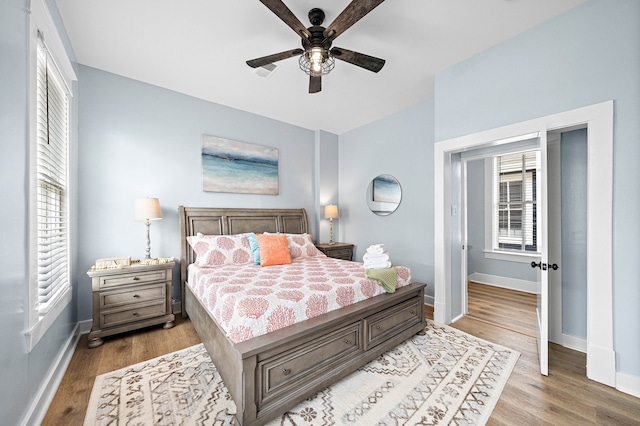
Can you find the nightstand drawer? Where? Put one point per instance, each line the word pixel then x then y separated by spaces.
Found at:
pixel 112 299
pixel 342 251
pixel 135 278
pixel 341 254
pixel 110 319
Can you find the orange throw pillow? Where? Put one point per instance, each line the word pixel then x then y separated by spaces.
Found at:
pixel 274 249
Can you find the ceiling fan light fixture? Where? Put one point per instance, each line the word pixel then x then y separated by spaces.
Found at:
pixel 316 61
pixel 317 57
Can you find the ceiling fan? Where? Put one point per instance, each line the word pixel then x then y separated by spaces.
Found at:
pixel 317 57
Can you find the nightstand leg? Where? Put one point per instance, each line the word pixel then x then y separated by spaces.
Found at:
pixel 167 325
pixel 95 342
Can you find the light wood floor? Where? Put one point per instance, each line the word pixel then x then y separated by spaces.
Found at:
pixel 507 318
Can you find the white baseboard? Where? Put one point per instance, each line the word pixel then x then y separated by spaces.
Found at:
pixel 628 384
pixel 457 318
pixel 84 327
pixel 429 300
pixel 504 282
pixel 43 397
pixel 575 343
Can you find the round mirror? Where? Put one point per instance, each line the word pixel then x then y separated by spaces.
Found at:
pixel 384 195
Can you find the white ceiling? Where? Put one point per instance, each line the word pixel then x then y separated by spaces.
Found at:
pixel 199 47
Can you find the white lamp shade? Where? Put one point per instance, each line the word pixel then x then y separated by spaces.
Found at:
pixel 331 211
pixel 148 209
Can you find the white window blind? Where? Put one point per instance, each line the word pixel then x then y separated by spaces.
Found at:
pixel 514 225
pixel 51 202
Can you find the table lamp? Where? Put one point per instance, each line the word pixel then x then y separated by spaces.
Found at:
pixel 331 212
pixel 148 209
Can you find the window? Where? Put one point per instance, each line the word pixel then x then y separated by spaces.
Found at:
pixel 52 154
pixel 514 224
pixel 50 277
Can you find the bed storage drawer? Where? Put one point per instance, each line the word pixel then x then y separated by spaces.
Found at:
pixel 385 324
pixel 308 362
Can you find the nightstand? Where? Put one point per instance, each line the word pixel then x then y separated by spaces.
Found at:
pixel 129 298
pixel 337 250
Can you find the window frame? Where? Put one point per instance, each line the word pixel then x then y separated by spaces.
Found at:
pixel 40 21
pixel 490 251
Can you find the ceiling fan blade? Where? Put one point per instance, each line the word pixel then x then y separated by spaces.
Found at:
pixel 287 16
pixel 349 16
pixel 259 62
pixel 315 84
pixel 370 63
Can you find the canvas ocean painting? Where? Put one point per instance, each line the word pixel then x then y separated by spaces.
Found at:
pixel 238 167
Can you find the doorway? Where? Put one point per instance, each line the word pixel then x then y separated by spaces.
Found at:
pixel 599 119
pixel 486 274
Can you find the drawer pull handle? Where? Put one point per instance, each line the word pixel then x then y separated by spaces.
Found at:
pixel 135 314
pixel 136 279
pixel 286 371
pixel 378 328
pixel 347 341
pixel 136 296
pixel 413 312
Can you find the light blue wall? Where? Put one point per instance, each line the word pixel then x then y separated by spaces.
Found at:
pixel 573 153
pixel 326 183
pixel 588 55
pixel 475 216
pixel 140 140
pixel 23 373
pixel 400 145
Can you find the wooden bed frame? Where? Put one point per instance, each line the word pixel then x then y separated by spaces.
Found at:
pixel 270 374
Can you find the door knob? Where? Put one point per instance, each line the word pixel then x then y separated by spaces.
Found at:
pixel 543 266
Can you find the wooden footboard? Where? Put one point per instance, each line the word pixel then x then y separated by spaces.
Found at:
pixel 268 375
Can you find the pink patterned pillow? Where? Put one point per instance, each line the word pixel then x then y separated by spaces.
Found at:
pixel 216 250
pixel 301 245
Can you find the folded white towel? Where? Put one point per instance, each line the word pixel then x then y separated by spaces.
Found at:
pixel 375 257
pixel 376 249
pixel 377 265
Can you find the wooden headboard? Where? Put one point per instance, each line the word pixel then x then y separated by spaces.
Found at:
pixel 220 221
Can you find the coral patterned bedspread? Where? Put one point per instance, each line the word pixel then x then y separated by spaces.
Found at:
pixel 248 301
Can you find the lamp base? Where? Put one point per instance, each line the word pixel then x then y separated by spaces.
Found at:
pixel 331 242
pixel 148 248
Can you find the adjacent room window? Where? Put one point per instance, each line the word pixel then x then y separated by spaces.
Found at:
pixel 514 224
pixel 49 233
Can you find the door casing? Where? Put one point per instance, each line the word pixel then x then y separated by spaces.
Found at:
pixel 598 119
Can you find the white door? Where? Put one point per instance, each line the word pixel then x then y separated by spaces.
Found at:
pixel 542 310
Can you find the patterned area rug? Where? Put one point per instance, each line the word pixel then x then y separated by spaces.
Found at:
pixel 445 377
